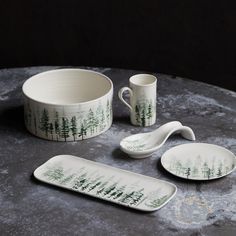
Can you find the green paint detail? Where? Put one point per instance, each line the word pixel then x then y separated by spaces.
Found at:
pixel 44 122
pixel 202 170
pixel 98 184
pixel 144 111
pixel 73 127
pixel 55 174
pixel 56 127
pixel 154 203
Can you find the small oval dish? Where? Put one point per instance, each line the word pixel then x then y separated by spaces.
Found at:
pixel 68 104
pixel 199 161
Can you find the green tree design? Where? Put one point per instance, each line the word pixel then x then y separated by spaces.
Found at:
pixel 91 121
pixel 79 181
pixel 95 185
pixel 178 167
pixel 109 189
pixel 127 197
pixel 149 112
pixel 55 173
pixel 137 196
pixel 219 170
pixel 143 117
pixel 137 114
pixel 44 122
pixel 65 128
pixel 205 170
pixel 102 121
pixel 57 125
pixel 102 187
pixel 83 131
pixel 108 111
pixel 156 202
pixel 51 130
pixel 119 192
pixel 209 173
pixel 188 172
pixel 195 171
pixel 73 127
pixel 67 179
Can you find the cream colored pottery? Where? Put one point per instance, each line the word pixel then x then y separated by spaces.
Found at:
pixel 68 104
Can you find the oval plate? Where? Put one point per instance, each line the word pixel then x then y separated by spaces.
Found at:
pixel 199 161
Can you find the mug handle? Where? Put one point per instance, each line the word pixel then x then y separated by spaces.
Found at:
pixel 120 94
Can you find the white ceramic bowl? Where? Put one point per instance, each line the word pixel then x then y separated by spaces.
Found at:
pixel 68 104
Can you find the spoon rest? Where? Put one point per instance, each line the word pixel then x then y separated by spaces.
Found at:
pixel 144 144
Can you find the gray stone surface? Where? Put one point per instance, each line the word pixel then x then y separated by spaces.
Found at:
pixel 29 207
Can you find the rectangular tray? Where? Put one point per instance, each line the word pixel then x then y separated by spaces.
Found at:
pixel 105 182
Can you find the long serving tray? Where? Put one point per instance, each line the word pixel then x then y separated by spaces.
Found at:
pixel 105 182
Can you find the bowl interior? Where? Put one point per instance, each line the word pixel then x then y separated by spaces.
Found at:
pixel 67 86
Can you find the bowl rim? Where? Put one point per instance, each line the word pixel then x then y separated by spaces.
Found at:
pixel 70 104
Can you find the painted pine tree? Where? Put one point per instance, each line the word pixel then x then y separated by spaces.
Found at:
pixel 73 127
pixel 195 171
pixel 149 112
pixel 178 167
pixel 98 116
pixel 188 172
pixel 157 202
pixel 119 192
pixel 143 117
pixel 51 130
pixel 219 170
pixel 205 170
pixel 79 181
pixel 102 187
pixel 137 196
pixel 91 121
pixel 209 173
pixel 44 122
pixel 65 128
pixel 55 173
pixel 95 184
pixel 102 121
pixel 109 189
pixel 57 125
pixel 108 111
pixel 127 197
pixel 82 131
pixel 137 114
pixel 67 179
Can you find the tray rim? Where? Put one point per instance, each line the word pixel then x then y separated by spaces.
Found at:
pixel 110 167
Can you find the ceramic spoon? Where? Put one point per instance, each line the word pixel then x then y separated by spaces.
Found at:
pixel 144 144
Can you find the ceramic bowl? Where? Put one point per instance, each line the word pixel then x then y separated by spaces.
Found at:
pixel 68 104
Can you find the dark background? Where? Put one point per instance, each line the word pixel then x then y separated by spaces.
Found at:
pixel 188 38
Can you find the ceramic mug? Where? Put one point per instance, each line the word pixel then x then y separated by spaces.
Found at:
pixel 68 104
pixel 142 105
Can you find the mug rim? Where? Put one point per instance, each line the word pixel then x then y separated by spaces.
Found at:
pixel 136 76
pixel 66 70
